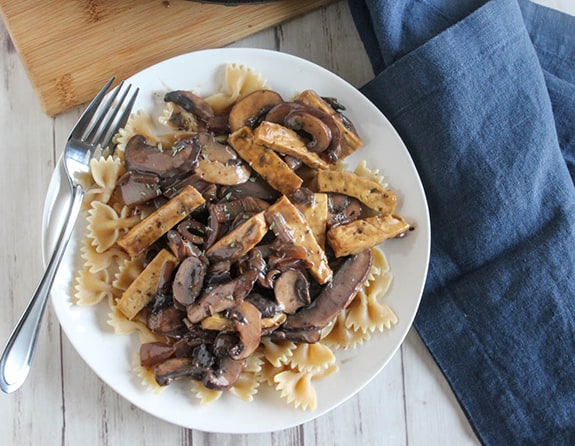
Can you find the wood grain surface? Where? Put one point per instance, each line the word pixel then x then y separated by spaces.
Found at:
pixel 71 47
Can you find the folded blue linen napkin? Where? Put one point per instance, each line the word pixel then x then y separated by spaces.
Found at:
pixel 483 95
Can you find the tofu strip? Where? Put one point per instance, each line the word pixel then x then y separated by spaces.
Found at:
pixel 151 228
pixel 265 162
pixel 303 236
pixel 359 235
pixel 369 192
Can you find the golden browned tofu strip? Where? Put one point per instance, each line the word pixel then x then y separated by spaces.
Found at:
pixel 142 290
pixel 265 162
pixel 350 141
pixel 369 192
pixel 239 241
pixel 151 228
pixel 302 235
pixel 287 142
pixel 315 213
pixel 362 234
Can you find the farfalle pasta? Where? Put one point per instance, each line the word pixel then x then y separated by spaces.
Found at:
pixel 225 267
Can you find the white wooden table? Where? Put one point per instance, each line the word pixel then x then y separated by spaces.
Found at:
pixel 64 403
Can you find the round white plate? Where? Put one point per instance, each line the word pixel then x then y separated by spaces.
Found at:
pixel 111 356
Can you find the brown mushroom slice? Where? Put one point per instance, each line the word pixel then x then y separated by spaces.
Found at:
pixel 249 110
pixel 280 111
pixel 152 353
pixel 143 289
pixel 165 162
pixel 358 235
pixel 313 127
pixel 137 188
pixel 219 163
pixel 265 162
pixel 225 375
pixel 222 297
pixel 180 246
pixel 247 321
pixel 191 103
pixel 350 141
pixel 334 297
pixel 342 209
pixel 255 187
pixel 302 235
pixel 286 141
pixel 189 280
pixel 167 321
pixel 291 290
pixel 369 192
pixel 239 241
pixel 159 222
pixel 229 210
pixel 176 368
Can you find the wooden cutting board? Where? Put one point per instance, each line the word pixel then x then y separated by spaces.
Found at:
pixel 71 47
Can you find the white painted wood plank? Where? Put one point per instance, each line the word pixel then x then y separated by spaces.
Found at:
pixel 433 414
pixel 26 136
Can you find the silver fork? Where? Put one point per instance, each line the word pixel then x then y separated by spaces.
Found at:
pixel 101 120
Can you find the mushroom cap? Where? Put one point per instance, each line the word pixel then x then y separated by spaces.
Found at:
pixel 319 134
pixel 249 110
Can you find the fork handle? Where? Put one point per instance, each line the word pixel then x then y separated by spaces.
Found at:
pixel 17 356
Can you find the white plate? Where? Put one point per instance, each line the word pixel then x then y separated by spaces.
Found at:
pixel 111 356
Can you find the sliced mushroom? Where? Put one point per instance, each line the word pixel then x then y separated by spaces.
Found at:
pixel 222 297
pixel 291 290
pixel 189 280
pixel 175 368
pixel 266 306
pixel 318 133
pixel 225 375
pixel 142 157
pixel 334 297
pixel 229 210
pixel 180 246
pixel 250 110
pixel 219 163
pixel 153 353
pixel 191 103
pixel 167 321
pixel 247 320
pixel 278 113
pixel 255 187
pixel 137 188
pixel 342 209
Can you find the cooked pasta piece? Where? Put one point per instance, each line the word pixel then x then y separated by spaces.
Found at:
pixel 341 337
pixel 105 173
pixel 238 81
pixel 248 383
pixel 312 357
pixel 205 395
pixel 123 326
pixel 97 261
pixel 128 271
pixel 93 288
pixel 105 225
pixel 297 389
pixel 277 353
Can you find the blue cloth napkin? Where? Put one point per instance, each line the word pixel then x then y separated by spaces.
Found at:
pixel 483 95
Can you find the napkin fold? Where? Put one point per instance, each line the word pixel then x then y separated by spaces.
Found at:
pixel 483 95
